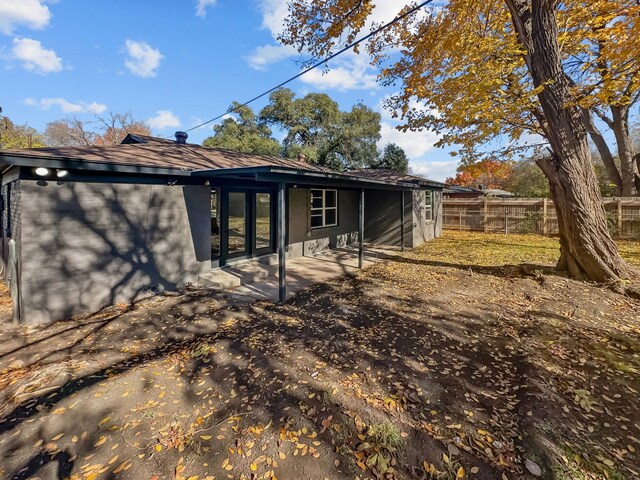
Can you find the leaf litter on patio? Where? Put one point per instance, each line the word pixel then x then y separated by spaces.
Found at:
pixel 449 361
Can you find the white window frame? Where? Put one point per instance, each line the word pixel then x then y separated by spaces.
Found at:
pixel 428 205
pixel 322 210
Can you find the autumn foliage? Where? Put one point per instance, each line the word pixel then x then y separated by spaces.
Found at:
pixel 488 173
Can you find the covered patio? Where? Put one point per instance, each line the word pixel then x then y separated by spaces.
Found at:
pixel 260 280
pixel 282 274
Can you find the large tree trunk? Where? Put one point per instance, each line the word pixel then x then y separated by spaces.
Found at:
pixel 620 127
pixel 603 149
pixel 637 159
pixel 587 249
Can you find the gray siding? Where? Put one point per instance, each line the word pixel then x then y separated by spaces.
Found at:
pixel 16 231
pixel 303 240
pixel 92 245
pixel 423 230
pixel 12 204
pixel 383 218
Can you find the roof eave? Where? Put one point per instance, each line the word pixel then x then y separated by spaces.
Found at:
pixel 34 161
pixel 268 173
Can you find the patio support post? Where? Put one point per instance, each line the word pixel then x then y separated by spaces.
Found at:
pixel 402 220
pixel 282 229
pixel 361 230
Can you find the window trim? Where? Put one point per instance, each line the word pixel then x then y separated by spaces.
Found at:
pixel 322 211
pixel 428 206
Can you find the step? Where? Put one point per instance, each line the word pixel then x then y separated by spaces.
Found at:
pixel 234 276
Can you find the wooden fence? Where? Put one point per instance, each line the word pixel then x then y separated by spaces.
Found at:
pixel 532 215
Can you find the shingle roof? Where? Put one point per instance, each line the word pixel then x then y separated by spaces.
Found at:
pixel 460 189
pixel 161 153
pixel 393 176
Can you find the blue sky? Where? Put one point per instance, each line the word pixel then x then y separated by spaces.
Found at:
pixel 173 64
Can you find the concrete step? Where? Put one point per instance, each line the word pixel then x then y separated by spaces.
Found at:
pixel 233 276
pixel 271 259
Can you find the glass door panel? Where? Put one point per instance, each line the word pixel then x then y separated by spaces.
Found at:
pixel 263 221
pixel 237 236
pixel 215 223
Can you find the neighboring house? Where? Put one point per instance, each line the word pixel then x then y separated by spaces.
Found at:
pixel 457 191
pixel 86 227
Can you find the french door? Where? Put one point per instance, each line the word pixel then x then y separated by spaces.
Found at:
pixel 246 223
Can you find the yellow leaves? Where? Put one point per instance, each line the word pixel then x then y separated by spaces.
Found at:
pixel 126 465
pixel 158 448
pixel 101 441
pixel 205 437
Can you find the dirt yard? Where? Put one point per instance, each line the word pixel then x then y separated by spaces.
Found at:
pixel 451 361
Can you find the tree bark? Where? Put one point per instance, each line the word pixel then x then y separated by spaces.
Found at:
pixel 603 149
pixel 637 159
pixel 628 169
pixel 587 250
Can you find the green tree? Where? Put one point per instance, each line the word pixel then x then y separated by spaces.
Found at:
pixel 243 132
pixel 315 126
pixel 393 158
pixel 18 136
pixel 527 180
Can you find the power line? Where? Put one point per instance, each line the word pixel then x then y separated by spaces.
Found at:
pixel 316 65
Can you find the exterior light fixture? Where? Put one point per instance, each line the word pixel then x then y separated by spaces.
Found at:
pixel 62 173
pixel 41 171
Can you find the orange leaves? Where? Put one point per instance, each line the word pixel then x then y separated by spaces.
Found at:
pixel 489 173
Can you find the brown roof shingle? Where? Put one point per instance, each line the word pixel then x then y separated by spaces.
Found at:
pixel 393 176
pixel 161 153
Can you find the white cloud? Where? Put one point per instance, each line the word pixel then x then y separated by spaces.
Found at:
pixel 349 72
pixel 266 55
pixel 35 57
pixel 163 119
pixel 274 13
pixel 66 106
pixel 415 144
pixel 202 5
pixel 30 13
pixel 435 170
pixel 142 60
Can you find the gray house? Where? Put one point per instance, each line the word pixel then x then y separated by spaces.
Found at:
pixel 86 227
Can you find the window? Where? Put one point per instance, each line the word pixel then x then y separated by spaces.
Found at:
pixel 324 208
pixel 428 206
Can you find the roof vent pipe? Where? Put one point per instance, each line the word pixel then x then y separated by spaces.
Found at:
pixel 181 137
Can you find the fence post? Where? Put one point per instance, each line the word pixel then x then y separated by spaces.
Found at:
pixel 544 216
pixel 506 220
pixel 620 217
pixel 484 215
pixel 460 220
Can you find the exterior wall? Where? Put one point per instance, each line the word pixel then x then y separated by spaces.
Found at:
pixel 423 230
pixel 383 217
pixel 95 244
pixel 303 240
pixel 12 229
pixel 11 204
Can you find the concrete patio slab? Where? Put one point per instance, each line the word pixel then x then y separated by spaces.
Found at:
pixel 256 280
